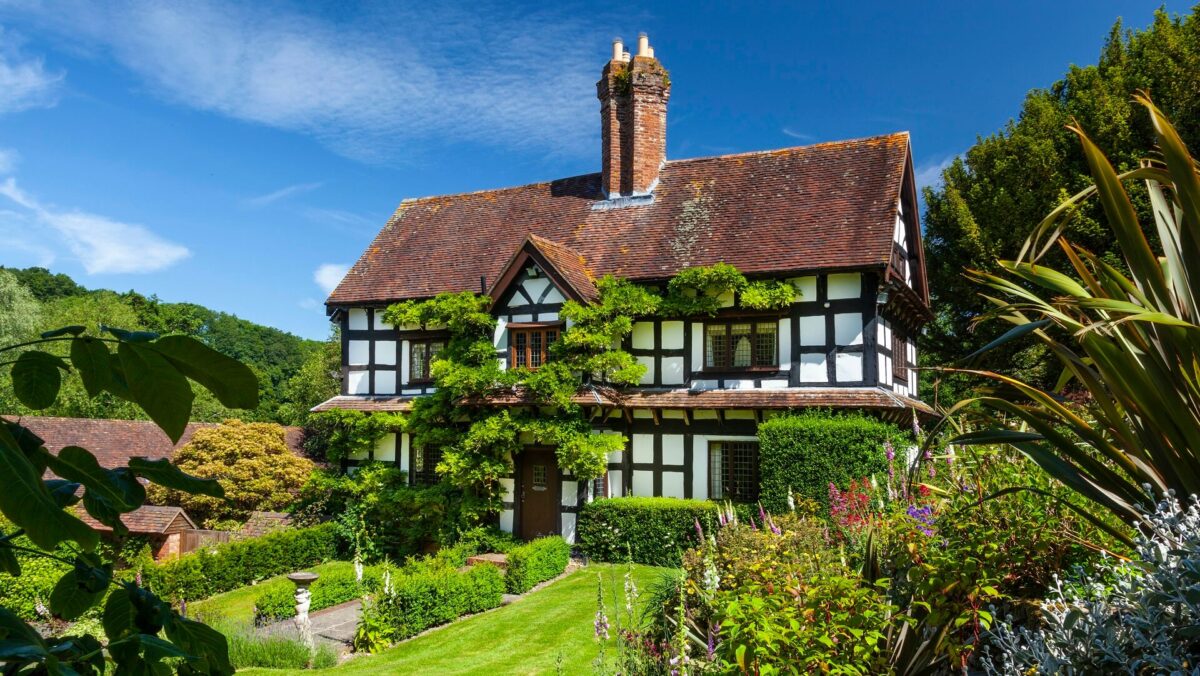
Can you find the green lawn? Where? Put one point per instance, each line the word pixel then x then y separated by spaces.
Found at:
pixel 237 607
pixel 525 637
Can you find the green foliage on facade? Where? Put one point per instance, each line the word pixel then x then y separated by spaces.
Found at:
pixel 806 452
pixel 654 531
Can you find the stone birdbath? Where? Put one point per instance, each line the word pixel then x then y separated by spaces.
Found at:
pixel 303 601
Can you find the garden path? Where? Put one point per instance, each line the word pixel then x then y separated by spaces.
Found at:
pixel 334 626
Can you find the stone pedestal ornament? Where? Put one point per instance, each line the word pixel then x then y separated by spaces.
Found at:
pixel 303 602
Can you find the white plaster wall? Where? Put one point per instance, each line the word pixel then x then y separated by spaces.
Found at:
pixel 672 371
pixel 535 286
pixel 672 484
pixel 672 335
pixel 813 368
pixel 522 318
pixel 508 489
pixel 643 336
pixel 643 483
pixel 385 352
pixel 697 346
pixel 648 376
pixel 785 344
pixel 616 488
pixel 506 521
pixel 848 366
pixel 672 449
pixel 385 448
pixel 379 324
pixel 404 446
pixel 358 382
pixel 359 353
pixel 385 382
pixel 570 493
pixel 643 448
pixel 405 355
pixel 848 329
pixel 812 330
pixel 845 285
pixel 568 527
pixel 358 319
pixel 726 299
pixel 806 288
pixel 774 384
pixel 554 297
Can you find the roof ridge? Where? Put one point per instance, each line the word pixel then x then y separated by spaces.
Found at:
pixel 811 146
pixel 468 193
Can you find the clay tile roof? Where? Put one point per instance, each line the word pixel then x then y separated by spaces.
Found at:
pixel 568 263
pixel 145 520
pixel 876 398
pixel 114 442
pixel 261 523
pixel 826 206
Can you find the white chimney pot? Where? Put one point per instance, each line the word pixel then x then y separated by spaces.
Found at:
pixel 644 45
pixel 618 49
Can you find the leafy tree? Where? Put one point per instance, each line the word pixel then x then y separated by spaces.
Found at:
pixel 253 463
pixel 19 310
pixel 317 380
pixel 144 634
pixel 45 285
pixel 993 195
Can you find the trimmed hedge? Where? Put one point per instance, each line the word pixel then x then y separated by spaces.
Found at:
pixel 536 562
pixel 277 600
pixel 429 593
pixel 808 451
pixel 238 563
pixel 653 531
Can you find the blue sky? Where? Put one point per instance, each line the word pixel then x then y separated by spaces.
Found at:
pixel 241 155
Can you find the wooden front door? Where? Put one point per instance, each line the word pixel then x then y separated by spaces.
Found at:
pixel 538 493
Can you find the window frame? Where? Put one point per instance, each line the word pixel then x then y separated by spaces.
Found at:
pixel 900 363
pixel 427 341
pixel 427 475
pixel 728 321
pixel 529 329
pixel 717 484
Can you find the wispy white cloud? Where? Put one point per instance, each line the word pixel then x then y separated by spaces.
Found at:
pixel 788 131
pixel 329 275
pixel 367 83
pixel 928 174
pixel 101 244
pixel 8 160
pixel 281 194
pixel 24 82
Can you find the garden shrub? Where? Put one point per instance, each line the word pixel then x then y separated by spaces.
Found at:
pixel 277 600
pixel 426 594
pixel 488 539
pixel 808 451
pixel 653 531
pixel 249 648
pixel 535 562
pixel 241 562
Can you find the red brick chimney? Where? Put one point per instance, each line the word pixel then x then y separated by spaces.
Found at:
pixel 633 95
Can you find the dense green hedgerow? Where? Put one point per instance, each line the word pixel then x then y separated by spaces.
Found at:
pixel 806 452
pixel 535 562
pixel 277 600
pixel 654 531
pixel 241 562
pixel 426 594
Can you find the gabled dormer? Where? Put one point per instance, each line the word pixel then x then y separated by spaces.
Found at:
pixel 528 296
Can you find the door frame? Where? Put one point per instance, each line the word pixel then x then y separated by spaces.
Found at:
pixel 518 484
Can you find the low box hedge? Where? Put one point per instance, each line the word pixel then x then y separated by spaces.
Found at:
pixel 653 531
pixel 429 593
pixel 238 563
pixel 277 600
pixel 808 451
pixel 535 562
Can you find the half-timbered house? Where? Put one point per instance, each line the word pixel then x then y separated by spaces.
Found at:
pixel 837 220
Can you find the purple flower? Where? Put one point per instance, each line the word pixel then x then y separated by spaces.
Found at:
pixel 712 644
pixel 924 518
pixel 699 531
pixel 889 450
pixel 752 526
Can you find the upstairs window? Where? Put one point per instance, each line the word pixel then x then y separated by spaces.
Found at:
pixel 899 356
pixel 530 347
pixel 421 354
pixel 733 470
pixel 424 466
pixel 740 345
